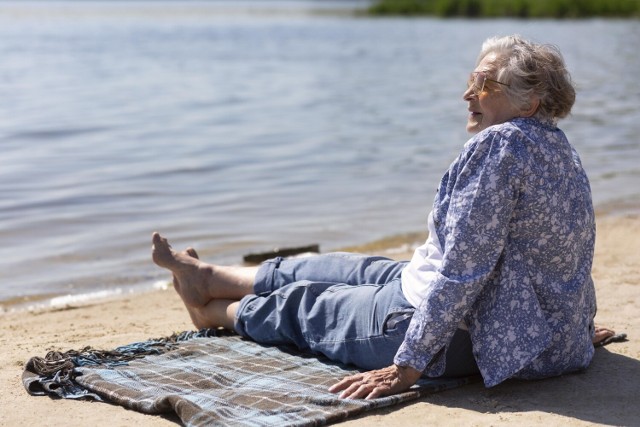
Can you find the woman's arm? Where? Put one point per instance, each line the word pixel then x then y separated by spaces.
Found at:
pixel 473 213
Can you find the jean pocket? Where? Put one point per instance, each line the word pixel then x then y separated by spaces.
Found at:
pixel 397 322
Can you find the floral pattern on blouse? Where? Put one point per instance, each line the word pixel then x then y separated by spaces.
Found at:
pixel 514 217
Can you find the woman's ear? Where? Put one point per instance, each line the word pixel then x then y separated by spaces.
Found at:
pixel 533 107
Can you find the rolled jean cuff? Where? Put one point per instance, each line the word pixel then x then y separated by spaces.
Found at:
pixel 263 283
pixel 238 325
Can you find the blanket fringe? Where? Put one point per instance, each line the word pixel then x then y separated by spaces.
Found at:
pixel 61 364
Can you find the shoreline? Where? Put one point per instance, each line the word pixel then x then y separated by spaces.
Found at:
pixel 397 246
pixel 389 246
pixel 604 394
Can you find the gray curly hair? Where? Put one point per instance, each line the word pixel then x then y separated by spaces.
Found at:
pixel 532 69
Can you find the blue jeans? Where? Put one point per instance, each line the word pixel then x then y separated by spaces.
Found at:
pixel 347 307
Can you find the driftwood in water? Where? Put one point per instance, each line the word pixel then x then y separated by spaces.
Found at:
pixel 257 258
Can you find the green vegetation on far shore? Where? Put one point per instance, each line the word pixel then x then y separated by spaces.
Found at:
pixel 510 8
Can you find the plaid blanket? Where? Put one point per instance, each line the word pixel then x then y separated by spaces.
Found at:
pixel 210 377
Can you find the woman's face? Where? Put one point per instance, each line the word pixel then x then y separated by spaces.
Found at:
pixel 491 106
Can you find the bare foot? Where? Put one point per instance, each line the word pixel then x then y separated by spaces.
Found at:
pixel 194 312
pixel 194 278
pixel 188 252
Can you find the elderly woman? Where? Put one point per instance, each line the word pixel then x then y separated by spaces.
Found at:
pixel 501 287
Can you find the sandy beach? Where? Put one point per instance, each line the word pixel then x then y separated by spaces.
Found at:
pixel 607 393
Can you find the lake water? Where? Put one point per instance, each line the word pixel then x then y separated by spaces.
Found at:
pixel 238 126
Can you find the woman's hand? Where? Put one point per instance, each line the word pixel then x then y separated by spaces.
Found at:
pixel 381 382
pixel 602 333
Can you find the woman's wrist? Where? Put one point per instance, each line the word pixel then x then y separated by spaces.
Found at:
pixel 407 374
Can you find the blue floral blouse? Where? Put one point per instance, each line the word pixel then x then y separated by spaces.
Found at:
pixel 515 220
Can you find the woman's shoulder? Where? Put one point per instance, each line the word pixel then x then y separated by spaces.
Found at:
pixel 518 134
pixel 517 143
pixel 522 126
pixel 507 134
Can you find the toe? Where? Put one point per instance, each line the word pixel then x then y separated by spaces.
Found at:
pixel 192 253
pixel 160 242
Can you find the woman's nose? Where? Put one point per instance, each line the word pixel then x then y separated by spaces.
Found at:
pixel 468 94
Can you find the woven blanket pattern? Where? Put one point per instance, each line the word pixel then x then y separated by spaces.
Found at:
pixel 219 380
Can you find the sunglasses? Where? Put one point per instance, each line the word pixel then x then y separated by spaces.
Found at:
pixel 477 81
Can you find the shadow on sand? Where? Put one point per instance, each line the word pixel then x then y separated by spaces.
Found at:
pixel 606 393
